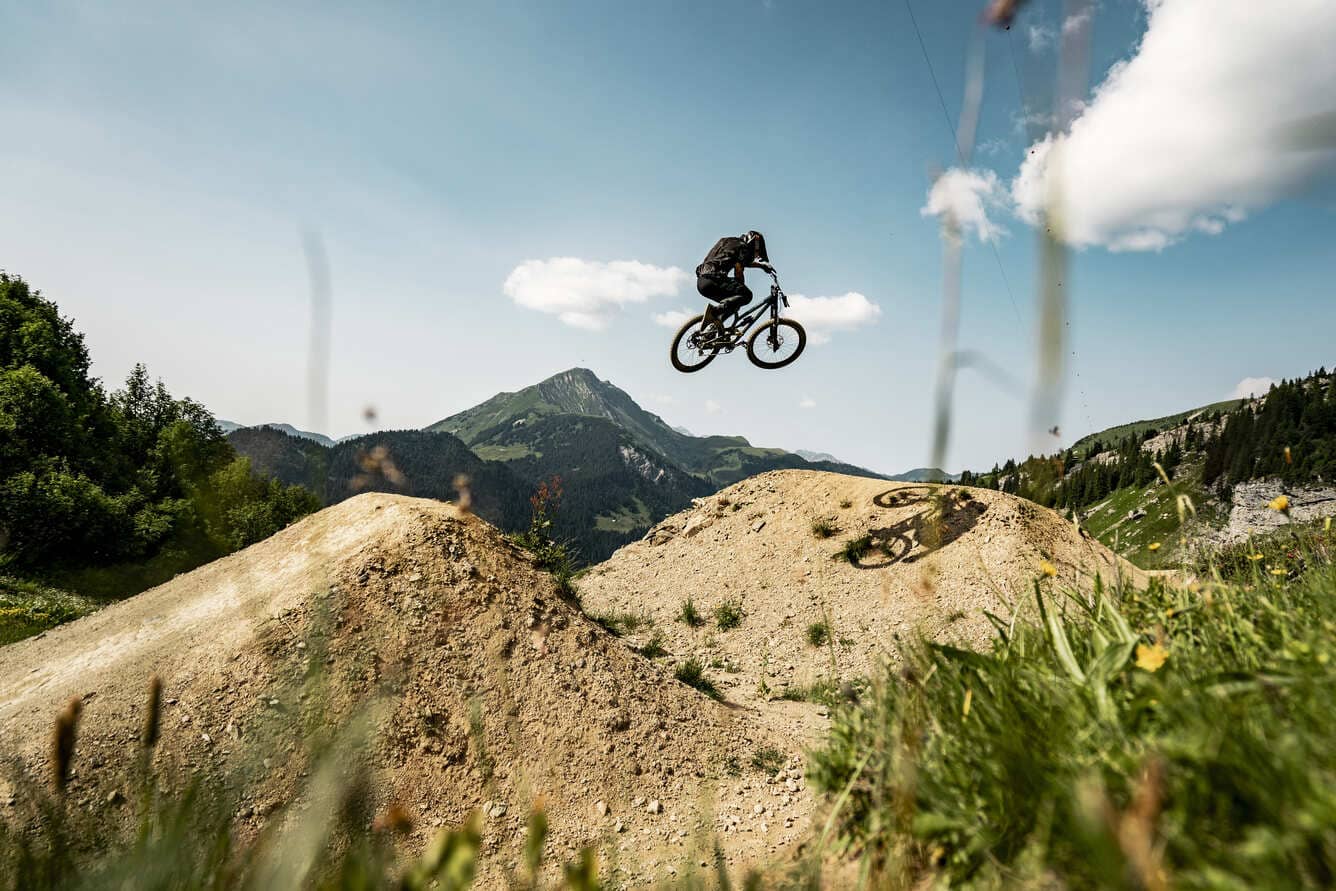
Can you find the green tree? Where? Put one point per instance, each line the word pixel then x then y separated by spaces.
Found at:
pixel 88 480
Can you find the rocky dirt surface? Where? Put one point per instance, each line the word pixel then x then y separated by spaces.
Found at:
pixel 424 647
pixel 753 544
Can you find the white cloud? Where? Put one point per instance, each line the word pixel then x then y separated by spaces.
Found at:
pixel 967 196
pixel 1194 130
pixel 807 402
pixel 713 407
pixel 587 293
pixel 1042 35
pixel 822 315
pixel 1252 386
pixel 1076 21
pixel 674 318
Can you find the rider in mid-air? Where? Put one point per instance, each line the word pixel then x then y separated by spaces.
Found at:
pixel 730 254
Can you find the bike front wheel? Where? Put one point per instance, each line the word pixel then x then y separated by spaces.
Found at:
pixel 776 343
pixel 693 347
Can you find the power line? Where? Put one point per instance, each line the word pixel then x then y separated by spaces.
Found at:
pixel 932 74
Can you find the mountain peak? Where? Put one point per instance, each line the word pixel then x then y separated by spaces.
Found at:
pixel 576 373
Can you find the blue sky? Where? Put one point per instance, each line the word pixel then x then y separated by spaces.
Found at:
pixel 162 161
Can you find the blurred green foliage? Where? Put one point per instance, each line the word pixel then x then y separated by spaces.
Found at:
pixel 103 493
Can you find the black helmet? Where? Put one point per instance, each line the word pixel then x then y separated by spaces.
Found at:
pixel 757 242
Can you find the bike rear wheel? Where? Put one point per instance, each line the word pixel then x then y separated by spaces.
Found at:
pixel 776 343
pixel 693 348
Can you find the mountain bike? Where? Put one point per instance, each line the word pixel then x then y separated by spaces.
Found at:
pixel 772 344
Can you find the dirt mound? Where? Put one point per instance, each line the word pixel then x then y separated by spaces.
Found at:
pixel 480 685
pixel 756 544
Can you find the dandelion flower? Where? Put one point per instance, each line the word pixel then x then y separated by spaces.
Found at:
pixel 1150 658
pixel 1047 569
pixel 1254 557
pixel 1277 571
pixel 1326 525
pixel 1280 503
pixel 1153 546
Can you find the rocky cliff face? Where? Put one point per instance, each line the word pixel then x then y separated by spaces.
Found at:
pixel 1249 513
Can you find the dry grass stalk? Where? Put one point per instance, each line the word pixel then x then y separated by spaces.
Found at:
pixel 153 713
pixel 62 743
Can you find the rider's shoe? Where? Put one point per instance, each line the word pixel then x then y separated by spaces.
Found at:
pixel 712 320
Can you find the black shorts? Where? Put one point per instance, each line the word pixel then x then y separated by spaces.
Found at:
pixel 729 293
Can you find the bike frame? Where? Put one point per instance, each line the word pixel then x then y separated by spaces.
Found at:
pixel 738 330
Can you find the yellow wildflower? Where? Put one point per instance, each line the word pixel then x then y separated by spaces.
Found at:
pixel 1254 557
pixel 1326 525
pixel 1280 503
pixel 969 697
pixel 1153 546
pixel 1277 571
pixel 1047 569
pixel 1150 658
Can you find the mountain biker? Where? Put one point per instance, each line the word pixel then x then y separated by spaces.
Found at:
pixel 730 254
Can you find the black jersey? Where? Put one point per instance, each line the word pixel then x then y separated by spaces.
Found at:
pixel 726 254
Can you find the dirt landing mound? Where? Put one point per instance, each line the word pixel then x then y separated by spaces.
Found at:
pixel 754 544
pixel 481 688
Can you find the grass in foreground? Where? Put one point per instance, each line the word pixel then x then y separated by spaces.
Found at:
pixel 1175 737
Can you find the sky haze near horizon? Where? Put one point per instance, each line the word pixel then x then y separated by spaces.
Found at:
pixel 164 162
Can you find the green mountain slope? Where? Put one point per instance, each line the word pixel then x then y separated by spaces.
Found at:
pixel 410 462
pixel 925 475
pixel 1110 481
pixel 615 489
pixel 1113 435
pixel 721 460
pixel 292 460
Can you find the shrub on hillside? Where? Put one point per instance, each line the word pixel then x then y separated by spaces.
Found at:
pixel 854 550
pixel 728 615
pixel 692 673
pixel 823 528
pixel 689 615
pixel 817 634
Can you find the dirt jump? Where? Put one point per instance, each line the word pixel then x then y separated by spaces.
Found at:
pixel 933 560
